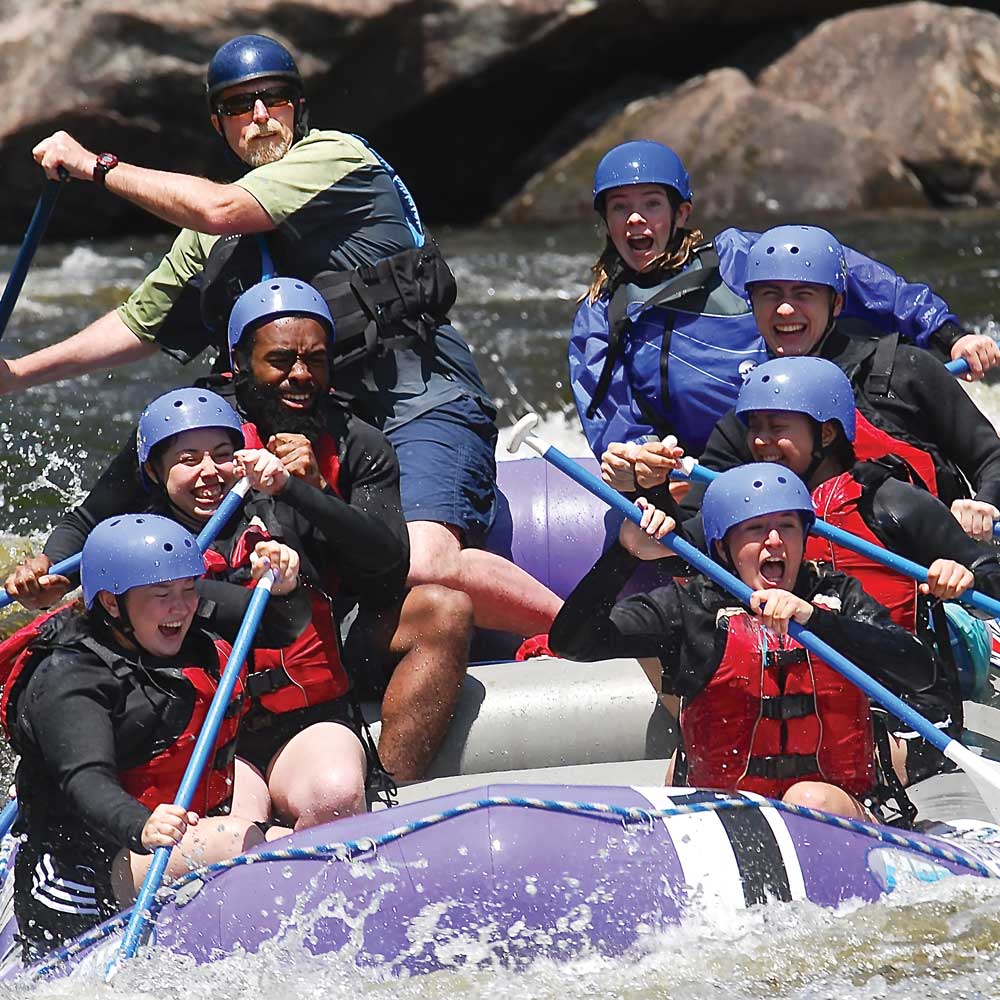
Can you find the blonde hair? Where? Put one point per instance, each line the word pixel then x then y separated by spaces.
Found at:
pixel 609 268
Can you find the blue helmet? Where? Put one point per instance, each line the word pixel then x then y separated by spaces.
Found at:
pixel 184 410
pixel 752 491
pixel 276 297
pixel 798 253
pixel 249 57
pixel 134 550
pixel 641 161
pixel 813 386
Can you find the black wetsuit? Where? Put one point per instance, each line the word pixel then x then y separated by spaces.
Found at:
pixel 76 723
pixel 677 624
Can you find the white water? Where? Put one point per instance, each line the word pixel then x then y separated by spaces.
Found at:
pixel 516 306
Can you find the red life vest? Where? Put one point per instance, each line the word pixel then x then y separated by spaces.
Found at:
pixel 158 779
pixel 836 501
pixel 871 442
pixel 773 715
pixel 310 670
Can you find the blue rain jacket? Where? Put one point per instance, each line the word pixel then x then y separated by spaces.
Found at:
pixel 711 350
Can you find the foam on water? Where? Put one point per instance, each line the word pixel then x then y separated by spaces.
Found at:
pixel 941 940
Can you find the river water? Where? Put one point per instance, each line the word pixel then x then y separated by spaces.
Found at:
pixel 516 301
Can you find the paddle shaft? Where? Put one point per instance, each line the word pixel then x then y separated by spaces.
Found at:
pixel 874 552
pixel 701 562
pixel 36 229
pixel 204 746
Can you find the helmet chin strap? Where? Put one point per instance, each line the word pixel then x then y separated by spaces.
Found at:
pixel 818 452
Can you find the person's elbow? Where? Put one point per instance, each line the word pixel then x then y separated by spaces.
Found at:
pixel 231 212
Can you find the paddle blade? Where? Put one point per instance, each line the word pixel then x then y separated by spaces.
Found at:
pixel 983 772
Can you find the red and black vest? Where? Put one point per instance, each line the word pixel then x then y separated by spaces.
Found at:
pixel 158 779
pixel 309 671
pixel 871 442
pixel 772 715
pixel 836 501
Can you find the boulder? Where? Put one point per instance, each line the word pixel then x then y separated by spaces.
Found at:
pixel 749 152
pixel 924 78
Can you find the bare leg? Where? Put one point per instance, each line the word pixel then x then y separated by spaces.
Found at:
pixel 251 799
pixel 215 838
pixel 318 776
pixel 829 798
pixel 504 596
pixel 428 641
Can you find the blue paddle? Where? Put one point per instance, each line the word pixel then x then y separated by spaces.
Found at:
pixel 985 773
pixel 874 552
pixel 36 229
pixel 230 502
pixel 958 367
pixel 203 748
pixel 7 817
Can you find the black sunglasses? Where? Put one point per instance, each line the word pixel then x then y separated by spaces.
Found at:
pixel 241 104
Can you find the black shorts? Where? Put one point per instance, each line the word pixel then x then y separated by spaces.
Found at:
pixel 60 893
pixel 264 733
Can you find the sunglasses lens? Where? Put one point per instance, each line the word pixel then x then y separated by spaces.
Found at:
pixel 241 104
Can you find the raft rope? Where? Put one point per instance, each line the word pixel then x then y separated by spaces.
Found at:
pixel 354 850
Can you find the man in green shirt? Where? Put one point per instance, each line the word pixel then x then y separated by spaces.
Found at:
pixel 324 207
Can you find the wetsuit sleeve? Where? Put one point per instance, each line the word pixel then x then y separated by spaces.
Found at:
pixel 166 306
pixel 68 707
pixel 591 626
pixel 367 539
pixel 943 413
pixel 118 491
pixel 863 632
pixel 617 418
pixel 224 606
pixel 917 526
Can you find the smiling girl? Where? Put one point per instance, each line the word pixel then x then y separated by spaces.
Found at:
pixel 104 708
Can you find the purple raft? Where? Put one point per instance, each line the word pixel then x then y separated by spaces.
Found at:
pixel 511 873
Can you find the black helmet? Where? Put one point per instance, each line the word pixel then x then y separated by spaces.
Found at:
pixel 249 57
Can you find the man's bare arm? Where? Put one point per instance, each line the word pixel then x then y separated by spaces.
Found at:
pixel 181 199
pixel 106 343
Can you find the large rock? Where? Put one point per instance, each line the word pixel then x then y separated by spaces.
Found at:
pixel 894 106
pixel 748 152
pixel 460 95
pixel 924 78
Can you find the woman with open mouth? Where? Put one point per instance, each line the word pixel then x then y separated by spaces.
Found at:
pixel 664 336
pixel 758 712
pixel 104 706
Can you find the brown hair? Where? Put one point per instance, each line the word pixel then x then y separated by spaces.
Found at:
pixel 609 268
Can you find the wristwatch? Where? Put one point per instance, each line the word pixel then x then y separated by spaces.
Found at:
pixel 105 162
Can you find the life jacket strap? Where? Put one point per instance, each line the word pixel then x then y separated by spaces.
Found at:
pixel 789 706
pixel 783 766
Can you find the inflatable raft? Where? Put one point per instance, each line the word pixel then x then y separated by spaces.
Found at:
pixel 544 829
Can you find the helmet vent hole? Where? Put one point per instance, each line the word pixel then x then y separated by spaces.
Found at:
pixel 765 378
pixel 167 547
pixel 793 249
pixel 782 480
pixel 770 249
pixel 758 484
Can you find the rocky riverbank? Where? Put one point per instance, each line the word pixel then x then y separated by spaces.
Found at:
pixel 504 107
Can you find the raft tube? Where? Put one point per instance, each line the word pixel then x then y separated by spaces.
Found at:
pixel 511 873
